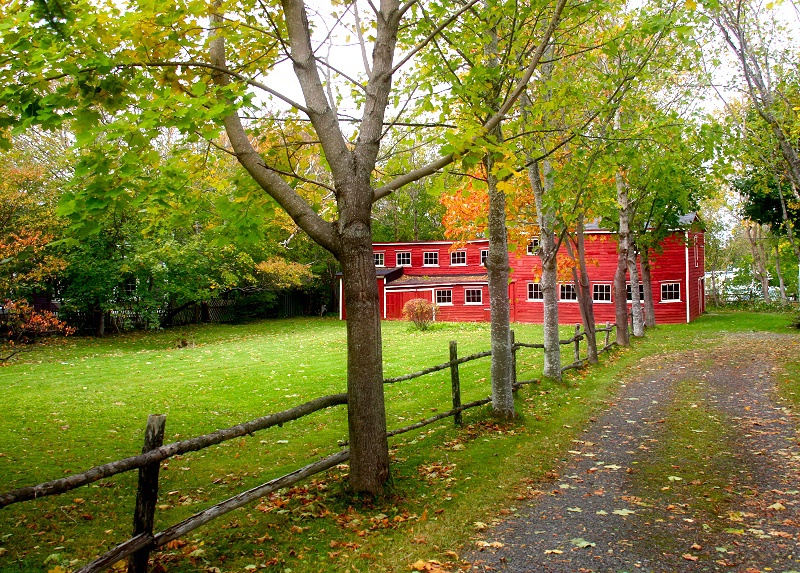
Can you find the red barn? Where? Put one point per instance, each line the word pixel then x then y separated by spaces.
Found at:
pixel 455 278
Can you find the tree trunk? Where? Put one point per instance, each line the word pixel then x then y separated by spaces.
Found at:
pixel 498 268
pixel 99 316
pixel 548 249
pixel 784 299
pixel 636 302
pixel 582 288
pixel 549 280
pixel 366 412
pixel 623 246
pixel 647 281
pixel 755 239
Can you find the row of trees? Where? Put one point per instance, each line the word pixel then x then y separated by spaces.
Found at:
pixel 558 112
pixel 153 256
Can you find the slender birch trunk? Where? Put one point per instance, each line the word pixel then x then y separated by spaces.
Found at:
pixel 636 301
pixel 754 237
pixel 647 281
pixel 548 280
pixel 543 185
pixel 781 285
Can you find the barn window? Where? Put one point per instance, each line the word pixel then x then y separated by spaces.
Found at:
pixel 379 258
pixel 430 259
pixel 670 292
pixel 473 296
pixel 567 292
pixel 535 291
pixel 696 253
pixel 601 293
pixel 458 258
pixel 533 246
pixel 629 292
pixel 403 259
pixel 444 296
pixel 484 256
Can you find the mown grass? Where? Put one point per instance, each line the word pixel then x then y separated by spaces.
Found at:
pixel 83 402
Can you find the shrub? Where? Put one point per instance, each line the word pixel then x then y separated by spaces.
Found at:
pixel 420 312
pixel 22 325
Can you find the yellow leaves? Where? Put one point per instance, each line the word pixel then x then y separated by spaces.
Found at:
pixel 690 5
pixel 481 545
pixel 432 566
pixel 279 273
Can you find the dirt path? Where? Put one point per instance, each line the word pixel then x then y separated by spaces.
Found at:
pixel 696 467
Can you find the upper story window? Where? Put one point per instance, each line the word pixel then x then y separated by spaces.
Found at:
pixel 629 292
pixel 458 258
pixel 696 253
pixel 484 256
pixel 535 291
pixel 444 296
pixel 430 259
pixel 601 293
pixel 402 259
pixel 473 296
pixel 379 258
pixel 670 292
pixel 567 292
pixel 533 246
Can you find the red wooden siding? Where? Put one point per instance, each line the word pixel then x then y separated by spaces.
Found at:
pixel 681 257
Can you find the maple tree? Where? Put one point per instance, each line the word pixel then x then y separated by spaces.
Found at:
pixel 21 326
pixel 126 74
pixel 28 223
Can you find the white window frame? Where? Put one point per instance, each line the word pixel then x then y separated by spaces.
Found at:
pixel 629 292
pixel 428 254
pixel 696 253
pixel 455 254
pixel 484 256
pixel 397 262
pixel 379 256
pixel 667 285
pixel 561 290
pixel 445 291
pixel 533 246
pixel 607 287
pixel 531 291
pixel 473 290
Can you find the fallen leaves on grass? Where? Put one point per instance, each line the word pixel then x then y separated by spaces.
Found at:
pixel 429 566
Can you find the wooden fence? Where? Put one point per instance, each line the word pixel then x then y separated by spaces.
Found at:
pixel 138 548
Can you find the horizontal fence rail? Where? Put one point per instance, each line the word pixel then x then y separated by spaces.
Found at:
pixel 159 454
pixel 143 541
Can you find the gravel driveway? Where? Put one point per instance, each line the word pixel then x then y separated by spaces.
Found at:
pixel 606 511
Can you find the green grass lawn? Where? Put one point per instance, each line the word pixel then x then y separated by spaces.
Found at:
pixel 81 402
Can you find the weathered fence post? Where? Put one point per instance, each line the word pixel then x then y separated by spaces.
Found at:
pixel 577 343
pixel 608 334
pixel 455 381
pixel 147 492
pixel 513 359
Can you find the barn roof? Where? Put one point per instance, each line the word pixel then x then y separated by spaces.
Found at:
pixel 417 280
